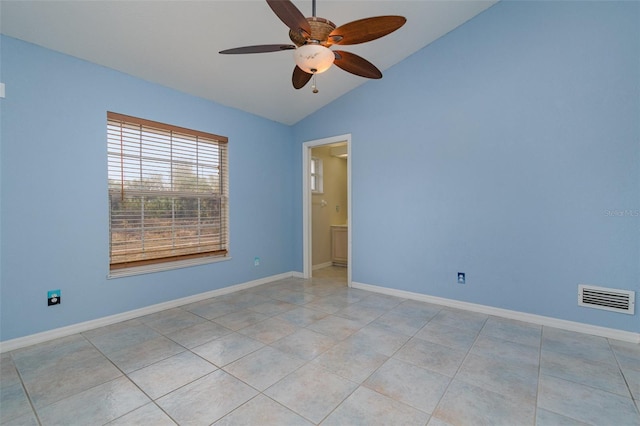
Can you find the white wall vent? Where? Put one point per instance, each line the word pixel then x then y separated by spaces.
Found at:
pixel 609 299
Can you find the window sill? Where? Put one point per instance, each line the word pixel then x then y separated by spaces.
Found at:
pixel 168 266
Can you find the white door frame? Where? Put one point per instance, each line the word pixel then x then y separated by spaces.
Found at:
pixel 306 201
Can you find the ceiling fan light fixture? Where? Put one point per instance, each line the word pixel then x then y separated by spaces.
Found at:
pixel 313 58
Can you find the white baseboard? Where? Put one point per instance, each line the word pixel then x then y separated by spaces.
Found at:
pixel 610 333
pixel 321 265
pixel 21 342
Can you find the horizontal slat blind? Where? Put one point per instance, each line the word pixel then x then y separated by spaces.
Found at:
pixel 168 192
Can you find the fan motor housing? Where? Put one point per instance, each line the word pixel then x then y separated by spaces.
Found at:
pixel 320 30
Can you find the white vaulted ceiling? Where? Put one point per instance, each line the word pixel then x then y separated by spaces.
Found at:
pixel 176 43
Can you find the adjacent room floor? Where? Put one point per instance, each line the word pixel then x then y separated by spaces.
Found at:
pixel 301 352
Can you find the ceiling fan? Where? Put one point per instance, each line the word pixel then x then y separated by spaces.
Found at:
pixel 313 36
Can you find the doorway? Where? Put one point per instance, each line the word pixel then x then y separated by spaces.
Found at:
pixel 307 199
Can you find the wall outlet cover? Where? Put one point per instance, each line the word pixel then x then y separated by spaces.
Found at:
pixel 256 261
pixel 461 278
pixel 53 297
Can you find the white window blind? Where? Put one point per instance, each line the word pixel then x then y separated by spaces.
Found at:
pixel 168 192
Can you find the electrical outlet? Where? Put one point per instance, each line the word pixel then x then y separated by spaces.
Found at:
pixel 256 261
pixel 53 297
pixel 461 278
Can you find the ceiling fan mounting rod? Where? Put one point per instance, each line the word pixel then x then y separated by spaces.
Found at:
pixel 313 8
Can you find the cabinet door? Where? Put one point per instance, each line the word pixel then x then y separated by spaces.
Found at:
pixel 339 252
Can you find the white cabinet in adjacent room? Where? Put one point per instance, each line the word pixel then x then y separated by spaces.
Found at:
pixel 339 244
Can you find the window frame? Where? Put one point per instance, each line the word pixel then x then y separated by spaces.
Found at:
pixel 215 194
pixel 316 176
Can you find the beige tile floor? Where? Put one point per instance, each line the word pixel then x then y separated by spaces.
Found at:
pixel 301 352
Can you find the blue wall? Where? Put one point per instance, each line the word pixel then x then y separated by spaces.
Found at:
pixel 507 150
pixel 55 231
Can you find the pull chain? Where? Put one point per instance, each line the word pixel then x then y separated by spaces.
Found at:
pixel 314 89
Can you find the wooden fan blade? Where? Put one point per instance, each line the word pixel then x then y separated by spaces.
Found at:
pixel 350 62
pixel 262 48
pixel 300 77
pixel 290 15
pixel 367 29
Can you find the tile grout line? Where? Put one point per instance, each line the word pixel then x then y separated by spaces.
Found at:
pixel 358 385
pixel 596 388
pixel 305 362
pixel 624 377
pixel 124 374
pixel 308 362
pixel 535 412
pixel 388 358
pixel 446 390
pixel 24 388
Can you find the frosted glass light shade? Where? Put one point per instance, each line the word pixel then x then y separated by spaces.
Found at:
pixel 313 58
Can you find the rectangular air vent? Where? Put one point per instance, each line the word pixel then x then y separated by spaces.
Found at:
pixel 609 299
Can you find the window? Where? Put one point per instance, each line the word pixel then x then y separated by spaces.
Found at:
pixel 168 193
pixel 316 175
